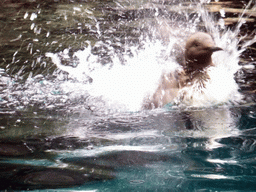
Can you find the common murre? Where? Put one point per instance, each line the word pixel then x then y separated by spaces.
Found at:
pixel 197 59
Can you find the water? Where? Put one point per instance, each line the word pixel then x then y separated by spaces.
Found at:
pixel 73 80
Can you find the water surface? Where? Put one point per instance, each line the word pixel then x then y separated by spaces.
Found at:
pixel 73 79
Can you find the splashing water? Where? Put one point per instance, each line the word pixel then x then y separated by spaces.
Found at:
pixel 87 110
pixel 123 84
pixel 222 87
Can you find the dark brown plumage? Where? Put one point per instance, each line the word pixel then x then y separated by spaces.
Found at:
pixel 198 51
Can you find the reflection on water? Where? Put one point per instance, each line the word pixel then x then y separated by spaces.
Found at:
pixel 150 151
pixel 73 78
pixel 160 150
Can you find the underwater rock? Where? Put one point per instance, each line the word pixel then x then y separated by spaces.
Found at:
pixel 117 159
pixel 18 176
pixel 14 149
pixel 37 145
pixel 65 143
pixel 51 178
pixel 33 146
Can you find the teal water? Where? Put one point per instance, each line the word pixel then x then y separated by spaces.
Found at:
pixel 148 154
pixel 73 75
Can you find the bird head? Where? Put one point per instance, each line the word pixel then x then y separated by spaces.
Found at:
pixel 198 51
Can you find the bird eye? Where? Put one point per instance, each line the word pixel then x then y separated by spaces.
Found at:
pixel 196 44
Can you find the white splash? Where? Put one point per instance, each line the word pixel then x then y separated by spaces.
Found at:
pixel 129 84
pixel 124 85
pixel 221 88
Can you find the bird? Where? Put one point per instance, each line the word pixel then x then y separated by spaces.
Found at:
pixel 197 58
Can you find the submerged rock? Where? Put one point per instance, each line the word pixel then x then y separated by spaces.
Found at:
pixel 118 159
pixel 14 149
pixel 35 145
pixel 51 178
pixel 34 177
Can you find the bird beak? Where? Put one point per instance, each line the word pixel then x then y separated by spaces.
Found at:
pixel 213 49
